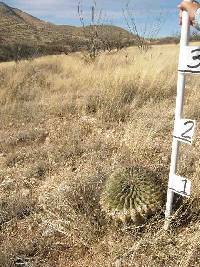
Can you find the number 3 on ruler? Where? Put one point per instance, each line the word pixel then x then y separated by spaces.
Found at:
pixel 184 130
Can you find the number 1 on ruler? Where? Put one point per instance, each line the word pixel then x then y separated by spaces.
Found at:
pixel 180 185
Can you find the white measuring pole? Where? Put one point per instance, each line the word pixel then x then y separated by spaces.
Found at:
pixel 178 113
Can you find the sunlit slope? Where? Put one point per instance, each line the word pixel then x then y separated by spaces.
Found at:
pixel 20 29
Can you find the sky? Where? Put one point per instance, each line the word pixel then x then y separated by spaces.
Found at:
pixel 147 14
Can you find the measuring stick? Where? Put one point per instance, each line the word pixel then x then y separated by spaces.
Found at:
pixel 178 113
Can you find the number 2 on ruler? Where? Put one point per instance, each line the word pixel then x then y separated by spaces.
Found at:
pixel 188 137
pixel 184 130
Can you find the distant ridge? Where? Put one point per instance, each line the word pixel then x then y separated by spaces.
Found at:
pixel 18 28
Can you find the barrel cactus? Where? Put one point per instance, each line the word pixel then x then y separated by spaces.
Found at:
pixel 132 194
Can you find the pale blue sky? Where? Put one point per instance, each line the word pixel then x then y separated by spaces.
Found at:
pixel 65 11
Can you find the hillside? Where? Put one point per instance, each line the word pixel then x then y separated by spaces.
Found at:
pixel 18 28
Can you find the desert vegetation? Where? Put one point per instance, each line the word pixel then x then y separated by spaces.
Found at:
pixel 66 125
pixel 23 36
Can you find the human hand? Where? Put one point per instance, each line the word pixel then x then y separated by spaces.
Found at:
pixel 191 8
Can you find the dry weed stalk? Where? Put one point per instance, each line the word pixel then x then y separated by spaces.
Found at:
pixel 65 127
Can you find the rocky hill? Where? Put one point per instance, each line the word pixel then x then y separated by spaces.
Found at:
pixel 21 30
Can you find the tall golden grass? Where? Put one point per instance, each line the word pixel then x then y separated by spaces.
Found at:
pixel 66 125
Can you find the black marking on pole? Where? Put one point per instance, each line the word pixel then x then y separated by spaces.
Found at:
pixel 179 192
pixel 188 130
pixel 185 184
pixel 182 139
pixel 189 71
pixel 195 50
pixel 195 58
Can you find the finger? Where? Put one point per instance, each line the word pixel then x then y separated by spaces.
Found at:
pixel 180 17
pixel 185 6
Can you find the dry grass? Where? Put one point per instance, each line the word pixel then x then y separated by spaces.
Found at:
pixel 65 126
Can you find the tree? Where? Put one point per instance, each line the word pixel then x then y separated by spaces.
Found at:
pixel 91 31
pixel 143 37
pixel 100 36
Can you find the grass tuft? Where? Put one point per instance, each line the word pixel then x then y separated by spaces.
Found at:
pixel 66 126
